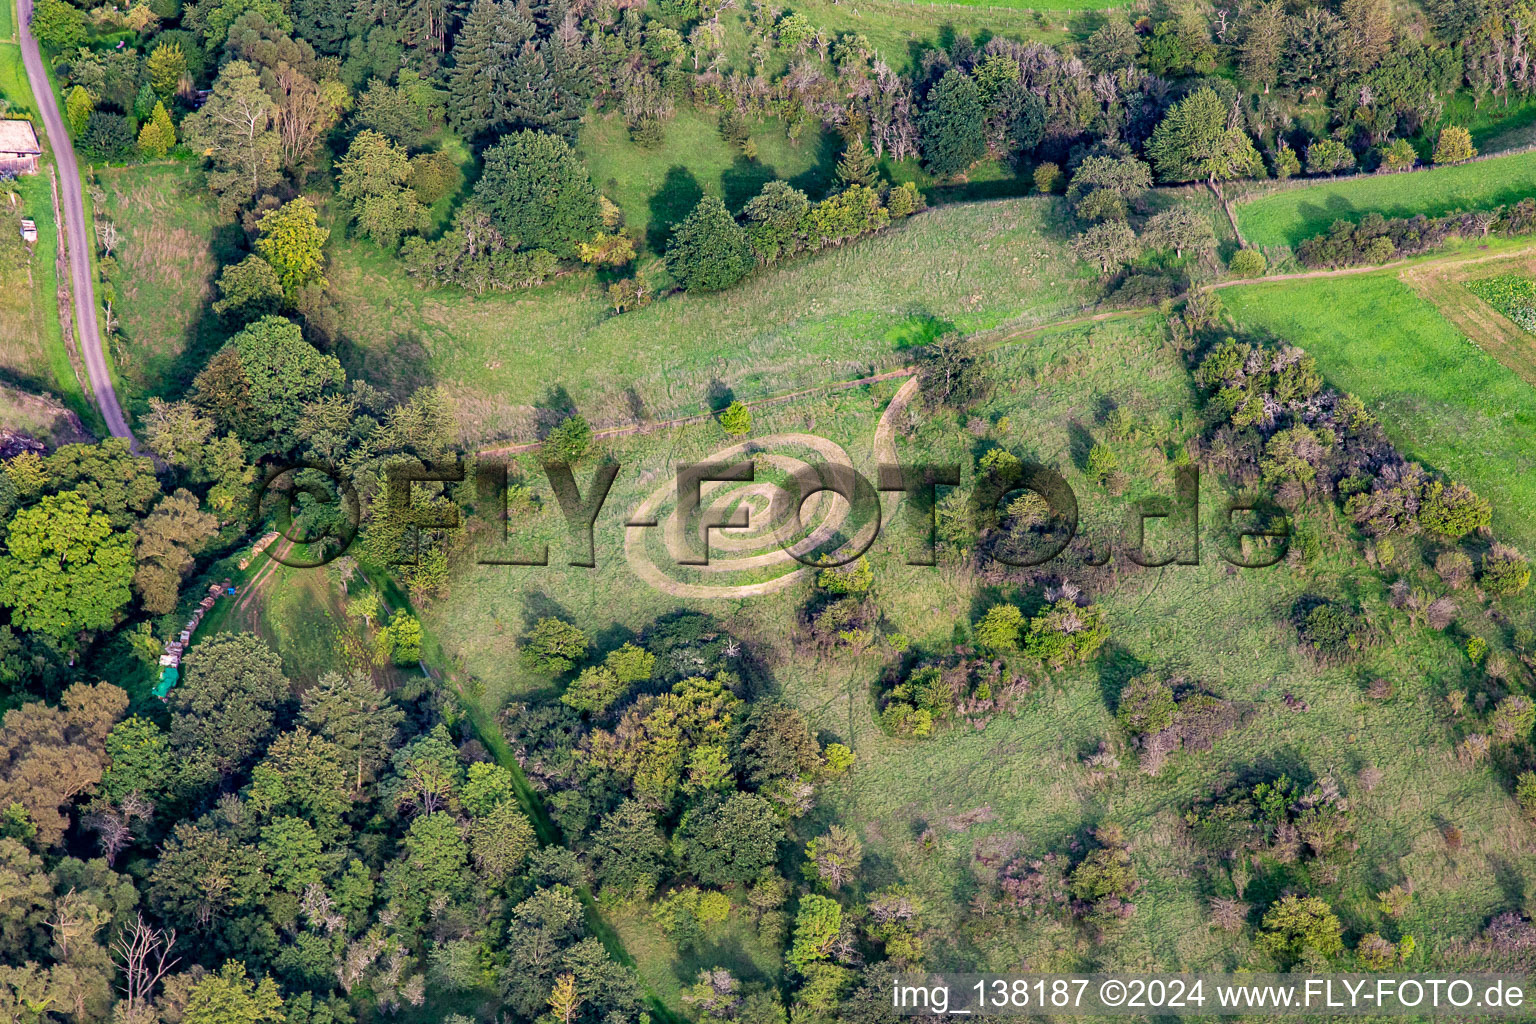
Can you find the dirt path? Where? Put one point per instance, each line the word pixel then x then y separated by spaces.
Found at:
pixel 1443 285
pixel 252 588
pixel 75 231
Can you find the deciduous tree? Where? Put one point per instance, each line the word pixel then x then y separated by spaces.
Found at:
pixel 64 568
pixel 709 250
pixel 1197 140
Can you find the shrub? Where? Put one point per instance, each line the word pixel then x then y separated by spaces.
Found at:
pixel 1525 793
pixel 1107 246
pixel 998 629
pixel 1329 156
pixel 1454 146
pixel 1064 633
pixel 1452 511
pixel 709 251
pixel 594 690
pixel 1477 649
pixel 1396 901
pixel 567 442
pixel 536 189
pixel 158 135
pixel 1505 571
pixel 1298 928
pixel 630 293
pixel 1287 163
pixel 1454 567
pixel 839 758
pixel 434 175
pixel 847 214
pixel 58 25
pixel 405 639
pixel 905 720
pixel 1104 873
pixel 1331 631
pixel 736 419
pixel 553 647
pixel 1399 156
pixel 605 250
pixel 1248 263
pixel 855 577
pixel 1146 705
pixel 1102 461
pixel 1047 178
pixel 1375 953
pixel 107 135
pixel 904 201
pixel 1513 716
pixel 631 664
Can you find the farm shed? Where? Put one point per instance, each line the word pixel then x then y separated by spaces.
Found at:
pixel 18 148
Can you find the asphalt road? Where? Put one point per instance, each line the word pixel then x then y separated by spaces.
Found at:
pixel 74 232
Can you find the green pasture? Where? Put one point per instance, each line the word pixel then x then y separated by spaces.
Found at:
pixel 1293 214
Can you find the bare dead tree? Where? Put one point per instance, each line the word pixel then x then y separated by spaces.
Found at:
pixel 112 831
pixel 107 236
pixel 143 955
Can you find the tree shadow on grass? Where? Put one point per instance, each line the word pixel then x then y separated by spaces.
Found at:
pixel 1117 666
pixel 820 179
pixel 208 330
pixel 680 192
pixel 743 180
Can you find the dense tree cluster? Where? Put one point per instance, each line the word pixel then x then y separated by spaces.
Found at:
pixel 261 854
pixel 1376 239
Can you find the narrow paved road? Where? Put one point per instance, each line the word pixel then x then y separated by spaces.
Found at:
pixel 74 231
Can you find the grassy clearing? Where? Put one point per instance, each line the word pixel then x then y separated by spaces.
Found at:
pixel 837 315
pixel 1290 216
pixel 1494 126
pixel 656 188
pixel 840 314
pixel 162 283
pixel 1021 783
pixel 1442 399
pixel 39 417
pixel 1049 7
pixel 33 355
pixel 900 30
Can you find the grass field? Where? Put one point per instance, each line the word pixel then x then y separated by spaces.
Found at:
pixel 1291 215
pixel 1045 6
pixel 658 187
pixel 1021 783
pixel 172 245
pixel 901 29
pixel 1442 399
pixel 33 355
pixel 837 315
pixel 13 81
